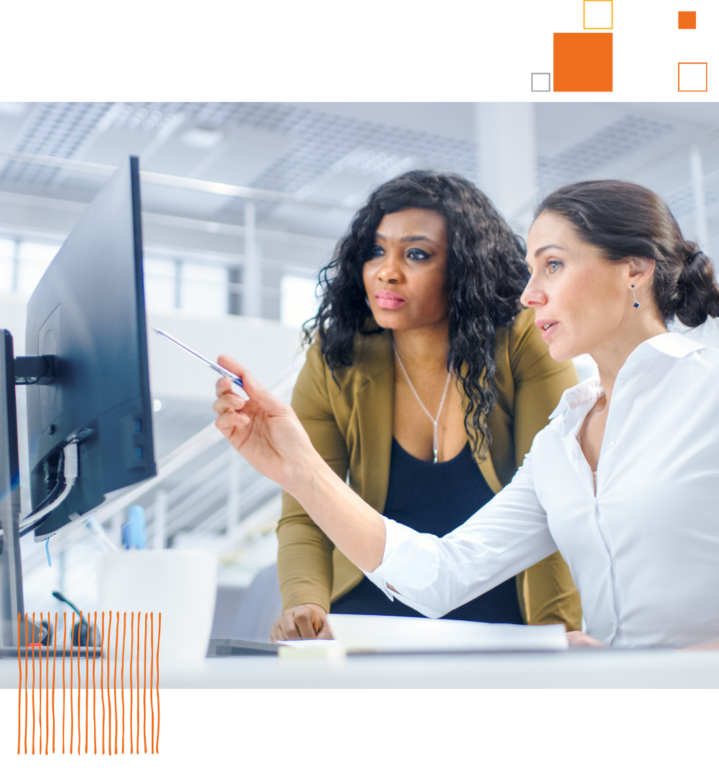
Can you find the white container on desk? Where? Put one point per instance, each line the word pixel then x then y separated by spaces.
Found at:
pixel 179 584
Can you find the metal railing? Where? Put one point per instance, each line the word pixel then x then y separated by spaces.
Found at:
pixel 176 182
pixel 203 486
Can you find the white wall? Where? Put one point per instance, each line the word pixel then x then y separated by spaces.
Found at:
pixel 266 347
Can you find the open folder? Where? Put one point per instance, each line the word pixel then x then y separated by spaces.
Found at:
pixel 404 634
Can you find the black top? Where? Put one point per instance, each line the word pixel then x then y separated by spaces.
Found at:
pixel 435 498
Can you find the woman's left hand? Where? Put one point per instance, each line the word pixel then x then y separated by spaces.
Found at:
pixel 581 638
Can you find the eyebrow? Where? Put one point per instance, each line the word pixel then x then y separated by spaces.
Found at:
pixel 408 238
pixel 544 248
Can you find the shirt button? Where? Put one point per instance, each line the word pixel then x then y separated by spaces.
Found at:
pixel 611 444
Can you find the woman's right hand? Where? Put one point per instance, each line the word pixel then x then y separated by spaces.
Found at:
pixel 305 622
pixel 264 429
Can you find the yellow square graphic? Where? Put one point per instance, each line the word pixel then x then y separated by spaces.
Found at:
pixel 598 14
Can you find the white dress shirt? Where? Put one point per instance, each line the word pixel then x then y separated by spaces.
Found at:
pixel 643 551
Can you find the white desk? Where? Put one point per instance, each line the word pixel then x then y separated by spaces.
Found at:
pixel 573 669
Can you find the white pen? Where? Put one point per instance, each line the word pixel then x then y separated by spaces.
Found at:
pixel 233 377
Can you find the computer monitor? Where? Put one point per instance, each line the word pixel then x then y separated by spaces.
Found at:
pixel 88 400
pixel 88 313
pixel 11 601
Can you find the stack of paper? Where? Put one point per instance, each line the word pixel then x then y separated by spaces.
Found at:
pixel 311 649
pixel 396 634
pixel 400 634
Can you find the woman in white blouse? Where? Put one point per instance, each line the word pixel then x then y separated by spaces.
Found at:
pixel 624 481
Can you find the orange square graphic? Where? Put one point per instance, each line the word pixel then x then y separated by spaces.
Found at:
pixel 687 19
pixel 693 77
pixel 713 76
pixel 583 62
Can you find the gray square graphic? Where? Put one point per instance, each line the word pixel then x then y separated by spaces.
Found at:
pixel 541 81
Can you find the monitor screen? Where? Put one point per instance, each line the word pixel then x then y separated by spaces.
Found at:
pixel 88 312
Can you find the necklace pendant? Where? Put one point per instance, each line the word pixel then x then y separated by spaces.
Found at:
pixel 435 456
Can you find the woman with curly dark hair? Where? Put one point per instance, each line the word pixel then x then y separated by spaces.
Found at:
pixel 425 381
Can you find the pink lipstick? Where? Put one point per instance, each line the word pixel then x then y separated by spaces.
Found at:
pixel 389 300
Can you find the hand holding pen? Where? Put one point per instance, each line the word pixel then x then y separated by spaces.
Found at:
pixel 234 380
pixel 265 430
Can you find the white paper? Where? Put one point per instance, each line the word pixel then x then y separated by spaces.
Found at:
pixel 410 634
pixel 308 645
pixel 311 649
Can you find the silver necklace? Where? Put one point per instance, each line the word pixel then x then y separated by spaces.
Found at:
pixel 435 442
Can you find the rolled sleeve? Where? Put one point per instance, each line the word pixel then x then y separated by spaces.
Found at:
pixel 436 575
pixel 409 558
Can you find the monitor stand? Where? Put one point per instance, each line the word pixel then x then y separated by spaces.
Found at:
pixel 11 596
pixel 13 371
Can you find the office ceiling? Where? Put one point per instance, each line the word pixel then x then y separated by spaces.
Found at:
pixel 335 153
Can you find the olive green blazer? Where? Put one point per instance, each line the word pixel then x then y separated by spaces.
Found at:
pixel 351 427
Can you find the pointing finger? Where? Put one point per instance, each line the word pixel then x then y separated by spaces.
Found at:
pixel 223 385
pixel 249 383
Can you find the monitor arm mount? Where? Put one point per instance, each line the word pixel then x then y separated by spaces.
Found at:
pixel 35 370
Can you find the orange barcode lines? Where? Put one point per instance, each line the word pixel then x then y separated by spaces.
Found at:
pixel 94 689
pixel 26 700
pixel 102 689
pixel 144 707
pixel 138 720
pixel 18 751
pixel 63 727
pixel 130 728
pixel 46 750
pixel 108 710
pixel 87 688
pixel 75 746
pixel 32 698
pixel 158 728
pixel 41 710
pixel 115 705
pixel 152 696
pixel 123 717
pixel 87 622
pixel 53 731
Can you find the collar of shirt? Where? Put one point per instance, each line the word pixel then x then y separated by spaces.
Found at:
pixel 588 392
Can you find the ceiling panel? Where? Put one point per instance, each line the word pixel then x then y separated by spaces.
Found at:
pixel 335 153
pixel 611 143
pixel 243 156
pixel 448 119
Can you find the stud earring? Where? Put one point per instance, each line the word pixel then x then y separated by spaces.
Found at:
pixel 636 304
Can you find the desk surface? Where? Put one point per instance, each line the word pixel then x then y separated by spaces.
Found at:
pixel 578 669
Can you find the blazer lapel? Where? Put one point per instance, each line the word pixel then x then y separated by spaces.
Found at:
pixel 373 417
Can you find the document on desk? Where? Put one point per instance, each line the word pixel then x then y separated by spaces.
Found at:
pixel 405 634
pixel 311 649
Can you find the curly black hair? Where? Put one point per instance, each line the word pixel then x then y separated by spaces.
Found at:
pixel 486 274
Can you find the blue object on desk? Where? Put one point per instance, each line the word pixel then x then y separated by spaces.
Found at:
pixel 133 532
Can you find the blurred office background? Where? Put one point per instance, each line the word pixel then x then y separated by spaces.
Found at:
pixel 242 204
